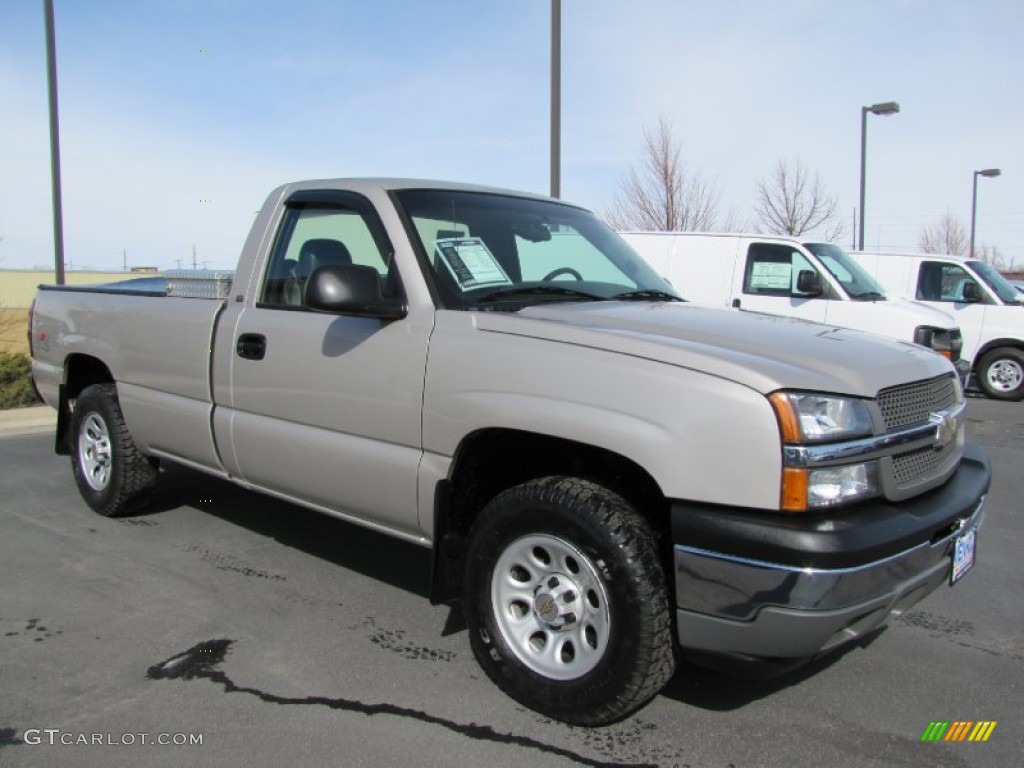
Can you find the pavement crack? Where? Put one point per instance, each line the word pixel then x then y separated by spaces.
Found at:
pixel 202 660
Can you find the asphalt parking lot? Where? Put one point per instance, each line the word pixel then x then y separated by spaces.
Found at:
pixel 277 636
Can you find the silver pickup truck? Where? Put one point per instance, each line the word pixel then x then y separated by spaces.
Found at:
pixel 603 472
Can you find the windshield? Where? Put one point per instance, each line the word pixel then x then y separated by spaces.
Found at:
pixel 858 283
pixel 493 251
pixel 999 284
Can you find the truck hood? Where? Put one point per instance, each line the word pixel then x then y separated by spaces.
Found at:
pixel 764 352
pixel 906 313
pixel 927 315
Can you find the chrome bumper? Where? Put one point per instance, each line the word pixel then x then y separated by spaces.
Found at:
pixel 734 605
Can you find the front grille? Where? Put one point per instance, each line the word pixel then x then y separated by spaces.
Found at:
pixel 923 462
pixel 911 404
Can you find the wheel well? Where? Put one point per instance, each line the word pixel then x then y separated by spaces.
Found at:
pixel 489 461
pixel 1017 344
pixel 80 371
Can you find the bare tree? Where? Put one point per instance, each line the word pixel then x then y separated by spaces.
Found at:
pixel 946 236
pixel 791 202
pixel 990 255
pixel 664 195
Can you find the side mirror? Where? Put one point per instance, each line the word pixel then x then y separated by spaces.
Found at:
pixel 350 289
pixel 971 292
pixel 808 281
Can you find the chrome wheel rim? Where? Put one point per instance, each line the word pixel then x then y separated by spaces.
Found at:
pixel 551 606
pixel 1005 375
pixel 94 452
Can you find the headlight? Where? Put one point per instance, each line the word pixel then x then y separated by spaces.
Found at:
pixel 809 418
pixel 805 417
pixel 836 485
pixel 946 342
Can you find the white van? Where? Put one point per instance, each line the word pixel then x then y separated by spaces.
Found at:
pixel 983 302
pixel 781 276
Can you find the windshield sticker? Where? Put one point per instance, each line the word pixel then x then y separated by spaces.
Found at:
pixel 469 261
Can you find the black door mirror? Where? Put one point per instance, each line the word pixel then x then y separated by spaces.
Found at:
pixel 808 281
pixel 350 289
pixel 971 292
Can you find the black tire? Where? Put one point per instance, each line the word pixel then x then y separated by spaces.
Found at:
pixel 1000 374
pixel 114 477
pixel 585 637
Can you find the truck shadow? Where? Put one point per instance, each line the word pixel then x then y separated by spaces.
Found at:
pixel 703 682
pixel 722 685
pixel 383 558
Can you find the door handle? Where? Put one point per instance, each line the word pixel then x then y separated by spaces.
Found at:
pixel 251 346
pixel 735 303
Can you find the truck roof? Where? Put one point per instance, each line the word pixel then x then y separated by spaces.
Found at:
pixel 688 233
pixel 918 255
pixel 387 184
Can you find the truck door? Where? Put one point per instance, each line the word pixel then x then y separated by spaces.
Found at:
pixel 772 283
pixel 320 407
pixel 940 284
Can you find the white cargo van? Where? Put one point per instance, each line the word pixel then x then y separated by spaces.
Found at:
pixel 983 302
pixel 781 276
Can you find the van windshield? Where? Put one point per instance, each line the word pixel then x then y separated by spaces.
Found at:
pixel 858 283
pixel 500 252
pixel 999 284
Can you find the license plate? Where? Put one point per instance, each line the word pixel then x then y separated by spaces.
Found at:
pixel 963 555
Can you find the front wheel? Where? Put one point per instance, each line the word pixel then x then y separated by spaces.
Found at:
pixel 1000 374
pixel 112 474
pixel 566 602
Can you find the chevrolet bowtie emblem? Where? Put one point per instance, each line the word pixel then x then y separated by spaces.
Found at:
pixel 945 429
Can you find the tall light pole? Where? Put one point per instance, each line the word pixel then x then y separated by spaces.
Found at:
pixel 884 108
pixel 51 78
pixel 556 98
pixel 987 173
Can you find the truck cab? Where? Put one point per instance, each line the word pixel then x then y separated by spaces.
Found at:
pixel 782 276
pixel 986 307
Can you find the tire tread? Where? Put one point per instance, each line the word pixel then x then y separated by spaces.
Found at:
pixel 654 657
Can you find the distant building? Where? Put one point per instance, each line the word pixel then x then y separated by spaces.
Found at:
pixel 18 287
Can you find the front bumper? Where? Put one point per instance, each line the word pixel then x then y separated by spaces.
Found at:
pixel 759 584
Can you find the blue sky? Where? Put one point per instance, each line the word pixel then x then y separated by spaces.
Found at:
pixel 166 103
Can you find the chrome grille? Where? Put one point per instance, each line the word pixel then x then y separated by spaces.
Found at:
pixel 911 404
pixel 923 462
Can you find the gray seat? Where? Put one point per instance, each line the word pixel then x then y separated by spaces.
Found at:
pixel 318 252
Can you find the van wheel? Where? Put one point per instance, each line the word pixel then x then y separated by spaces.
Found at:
pixel 113 476
pixel 566 602
pixel 1001 374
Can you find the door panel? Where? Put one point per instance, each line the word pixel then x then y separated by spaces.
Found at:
pixel 941 285
pixel 325 408
pixel 770 283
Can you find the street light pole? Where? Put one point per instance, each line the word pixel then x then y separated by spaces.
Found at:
pixel 556 98
pixel 51 78
pixel 987 173
pixel 883 108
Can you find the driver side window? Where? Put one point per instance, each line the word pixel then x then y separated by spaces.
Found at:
pixel 938 281
pixel 774 270
pixel 313 236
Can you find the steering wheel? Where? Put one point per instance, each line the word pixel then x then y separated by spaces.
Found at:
pixel 562 271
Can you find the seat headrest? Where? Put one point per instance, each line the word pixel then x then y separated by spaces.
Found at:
pixel 320 252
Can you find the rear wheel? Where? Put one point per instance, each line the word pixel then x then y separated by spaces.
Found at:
pixel 1000 374
pixel 566 601
pixel 113 476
